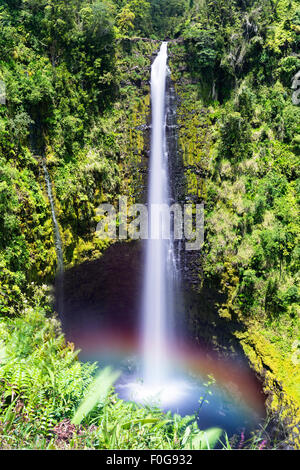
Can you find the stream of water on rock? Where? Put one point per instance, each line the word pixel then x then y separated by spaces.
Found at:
pixel 59 282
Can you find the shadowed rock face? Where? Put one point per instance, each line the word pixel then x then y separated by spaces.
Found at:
pixel 102 307
pixel 104 293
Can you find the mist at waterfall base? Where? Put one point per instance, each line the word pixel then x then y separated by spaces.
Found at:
pixel 234 402
pixel 157 370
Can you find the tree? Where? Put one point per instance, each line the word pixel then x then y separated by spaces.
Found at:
pixel 134 17
pixel 235 137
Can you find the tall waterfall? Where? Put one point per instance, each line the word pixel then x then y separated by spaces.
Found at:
pixel 157 294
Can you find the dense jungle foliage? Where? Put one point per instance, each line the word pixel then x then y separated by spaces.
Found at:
pixel 76 77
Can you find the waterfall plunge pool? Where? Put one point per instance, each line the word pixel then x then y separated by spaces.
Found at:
pixel 101 311
pixel 217 392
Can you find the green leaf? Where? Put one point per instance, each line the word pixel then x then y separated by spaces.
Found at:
pixel 97 392
pixel 2 353
pixel 142 422
pixel 186 436
pixel 204 440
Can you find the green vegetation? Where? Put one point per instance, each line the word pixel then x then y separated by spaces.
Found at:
pixel 76 75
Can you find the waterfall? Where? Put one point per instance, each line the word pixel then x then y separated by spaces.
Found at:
pixel 58 242
pixel 160 260
pixel 161 382
pixel 38 150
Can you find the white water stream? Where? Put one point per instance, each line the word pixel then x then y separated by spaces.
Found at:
pixel 155 301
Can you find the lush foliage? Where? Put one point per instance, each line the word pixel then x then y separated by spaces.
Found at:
pixel 252 193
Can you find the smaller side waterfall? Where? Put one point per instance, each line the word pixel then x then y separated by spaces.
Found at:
pixel 58 243
pixel 38 151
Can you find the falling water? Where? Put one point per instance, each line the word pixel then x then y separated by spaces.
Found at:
pixel 157 297
pixel 58 243
pixel 38 151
